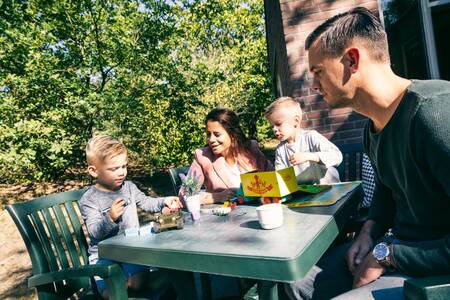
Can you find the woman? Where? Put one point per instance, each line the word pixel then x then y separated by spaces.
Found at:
pixel 218 167
pixel 228 154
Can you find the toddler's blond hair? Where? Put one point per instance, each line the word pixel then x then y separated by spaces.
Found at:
pixel 284 102
pixel 101 147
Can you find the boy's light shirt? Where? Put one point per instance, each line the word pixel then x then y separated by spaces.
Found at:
pixel 95 205
pixel 310 172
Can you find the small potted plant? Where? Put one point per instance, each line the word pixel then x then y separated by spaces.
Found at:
pixel 191 187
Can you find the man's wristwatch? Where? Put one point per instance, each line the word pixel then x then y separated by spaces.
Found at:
pixel 383 255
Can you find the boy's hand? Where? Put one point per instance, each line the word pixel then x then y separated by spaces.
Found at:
pixel 301 157
pixel 171 203
pixel 117 209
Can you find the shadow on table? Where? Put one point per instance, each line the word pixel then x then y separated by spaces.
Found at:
pixel 251 224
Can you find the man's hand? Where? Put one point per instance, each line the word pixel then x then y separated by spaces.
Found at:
pixel 301 157
pixel 370 270
pixel 171 203
pixel 358 251
pixel 117 209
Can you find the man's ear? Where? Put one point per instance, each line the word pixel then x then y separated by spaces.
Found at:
pixel 92 170
pixel 352 59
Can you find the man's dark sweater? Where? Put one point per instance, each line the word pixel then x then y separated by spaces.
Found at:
pixel 411 158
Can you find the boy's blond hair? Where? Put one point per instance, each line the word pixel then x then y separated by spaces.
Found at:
pixel 284 102
pixel 101 147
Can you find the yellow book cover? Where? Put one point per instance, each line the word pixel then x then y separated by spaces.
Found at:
pixel 277 183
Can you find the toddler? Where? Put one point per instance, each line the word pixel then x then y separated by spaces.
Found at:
pixel 313 156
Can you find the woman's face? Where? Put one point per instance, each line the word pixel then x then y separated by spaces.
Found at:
pixel 218 138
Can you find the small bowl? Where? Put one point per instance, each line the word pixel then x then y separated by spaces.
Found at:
pixel 270 216
pixel 221 211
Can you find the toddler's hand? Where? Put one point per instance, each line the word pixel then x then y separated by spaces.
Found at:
pixel 301 157
pixel 117 209
pixel 172 203
pixel 297 158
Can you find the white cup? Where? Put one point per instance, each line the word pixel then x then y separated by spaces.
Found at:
pixel 193 206
pixel 270 216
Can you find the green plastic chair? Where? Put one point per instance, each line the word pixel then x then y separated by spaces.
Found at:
pixel 51 228
pixel 175 177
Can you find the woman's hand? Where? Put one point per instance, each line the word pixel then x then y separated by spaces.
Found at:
pixel 218 197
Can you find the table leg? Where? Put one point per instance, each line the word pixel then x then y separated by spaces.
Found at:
pixel 206 286
pixel 267 290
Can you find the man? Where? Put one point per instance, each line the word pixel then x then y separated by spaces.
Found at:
pixel 408 141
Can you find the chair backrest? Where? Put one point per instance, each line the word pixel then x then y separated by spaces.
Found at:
pixel 51 227
pixel 175 177
pixel 351 167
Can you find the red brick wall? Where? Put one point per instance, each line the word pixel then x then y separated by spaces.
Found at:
pixel 299 18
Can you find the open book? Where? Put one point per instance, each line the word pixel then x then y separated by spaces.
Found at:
pixel 329 194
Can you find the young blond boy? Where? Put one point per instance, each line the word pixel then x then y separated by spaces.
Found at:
pixel 110 205
pixel 313 156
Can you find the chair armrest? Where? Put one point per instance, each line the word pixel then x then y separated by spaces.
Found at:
pixel 430 288
pixel 112 274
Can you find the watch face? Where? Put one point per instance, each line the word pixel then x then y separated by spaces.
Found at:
pixel 381 251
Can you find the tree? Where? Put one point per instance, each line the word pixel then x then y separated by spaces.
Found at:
pixel 145 71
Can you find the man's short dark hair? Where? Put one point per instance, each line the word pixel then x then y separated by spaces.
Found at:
pixel 359 23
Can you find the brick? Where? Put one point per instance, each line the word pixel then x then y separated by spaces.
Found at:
pixel 312 98
pixel 296 36
pixel 358 2
pixel 298 9
pixel 373 6
pixel 317 114
pixel 316 123
pixel 303 27
pixel 338 119
pixel 322 129
pixel 335 5
pixel 319 105
pixel 340 111
pixel 342 126
pixel 299 93
pixel 298 70
pixel 306 123
pixel 306 107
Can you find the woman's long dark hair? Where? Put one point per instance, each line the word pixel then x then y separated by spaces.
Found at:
pixel 230 121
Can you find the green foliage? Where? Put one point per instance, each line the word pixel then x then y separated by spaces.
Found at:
pixel 190 185
pixel 145 71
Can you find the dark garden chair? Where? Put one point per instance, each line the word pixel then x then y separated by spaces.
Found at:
pixel 175 177
pixel 351 167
